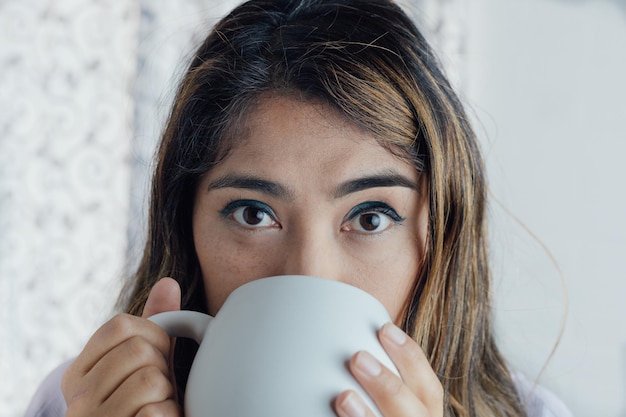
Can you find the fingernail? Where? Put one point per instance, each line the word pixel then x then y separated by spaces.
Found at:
pixel 394 334
pixel 368 364
pixel 351 406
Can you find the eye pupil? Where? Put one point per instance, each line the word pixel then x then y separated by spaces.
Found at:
pixel 370 221
pixel 253 216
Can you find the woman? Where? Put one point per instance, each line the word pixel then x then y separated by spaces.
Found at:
pixel 320 138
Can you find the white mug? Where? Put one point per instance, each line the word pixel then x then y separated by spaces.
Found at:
pixel 279 347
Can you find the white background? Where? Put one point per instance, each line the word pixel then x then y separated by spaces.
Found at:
pixel 547 80
pixel 84 86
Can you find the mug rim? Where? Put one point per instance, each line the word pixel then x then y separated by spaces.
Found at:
pixel 308 278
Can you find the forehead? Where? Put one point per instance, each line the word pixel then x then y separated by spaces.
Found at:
pixel 281 129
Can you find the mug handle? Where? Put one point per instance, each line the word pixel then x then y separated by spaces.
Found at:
pixel 183 323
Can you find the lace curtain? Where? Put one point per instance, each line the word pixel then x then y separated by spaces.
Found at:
pixel 64 175
pixel 84 88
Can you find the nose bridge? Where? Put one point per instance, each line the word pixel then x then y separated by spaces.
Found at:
pixel 311 251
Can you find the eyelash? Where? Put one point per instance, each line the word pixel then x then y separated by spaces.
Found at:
pixel 235 204
pixel 375 207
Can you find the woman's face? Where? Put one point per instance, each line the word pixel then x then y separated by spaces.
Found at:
pixel 307 193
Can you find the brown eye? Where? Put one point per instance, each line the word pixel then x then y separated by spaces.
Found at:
pixel 252 216
pixel 370 221
pixel 371 217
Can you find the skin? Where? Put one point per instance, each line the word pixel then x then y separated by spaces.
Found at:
pixel 291 198
pixel 302 223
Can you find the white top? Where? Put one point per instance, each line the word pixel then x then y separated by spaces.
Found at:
pixel 49 402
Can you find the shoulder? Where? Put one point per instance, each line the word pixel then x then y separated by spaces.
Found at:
pixel 48 400
pixel 539 401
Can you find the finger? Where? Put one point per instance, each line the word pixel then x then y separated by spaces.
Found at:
pixel 114 332
pixel 390 394
pixel 169 408
pixel 414 367
pixel 94 375
pixel 146 386
pixel 350 404
pixel 119 364
pixel 164 296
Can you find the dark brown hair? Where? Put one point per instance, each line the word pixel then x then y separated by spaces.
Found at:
pixel 367 60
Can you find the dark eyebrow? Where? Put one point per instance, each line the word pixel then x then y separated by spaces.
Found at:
pixel 374 181
pixel 251 183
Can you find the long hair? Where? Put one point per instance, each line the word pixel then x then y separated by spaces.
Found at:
pixel 368 61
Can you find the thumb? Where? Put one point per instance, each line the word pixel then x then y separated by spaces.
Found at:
pixel 164 296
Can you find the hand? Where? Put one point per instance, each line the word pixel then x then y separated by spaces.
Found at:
pixel 416 393
pixel 123 370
